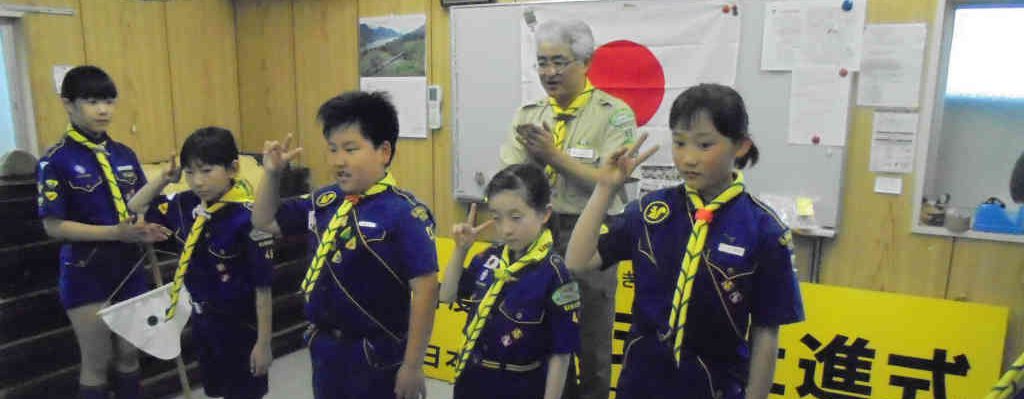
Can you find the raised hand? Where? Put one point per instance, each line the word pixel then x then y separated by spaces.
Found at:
pixel 276 155
pixel 619 165
pixel 465 233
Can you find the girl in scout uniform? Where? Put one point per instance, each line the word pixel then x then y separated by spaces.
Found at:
pixel 224 263
pixel 85 181
pixel 521 327
pixel 714 273
pixel 371 289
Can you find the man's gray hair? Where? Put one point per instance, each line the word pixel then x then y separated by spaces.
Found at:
pixel 574 33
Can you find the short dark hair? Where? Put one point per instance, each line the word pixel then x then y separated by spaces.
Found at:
pixel 372 112
pixel 87 81
pixel 210 145
pixel 725 108
pixel 526 177
pixel 1017 180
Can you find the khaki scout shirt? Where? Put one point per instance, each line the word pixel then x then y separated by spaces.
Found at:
pixel 603 125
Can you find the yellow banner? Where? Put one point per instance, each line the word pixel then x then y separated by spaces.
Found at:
pixel 854 344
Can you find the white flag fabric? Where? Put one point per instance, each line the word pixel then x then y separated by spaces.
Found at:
pixel 140 321
pixel 647 53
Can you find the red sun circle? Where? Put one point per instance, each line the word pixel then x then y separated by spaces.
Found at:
pixel 631 72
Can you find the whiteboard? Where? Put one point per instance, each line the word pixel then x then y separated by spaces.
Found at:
pixel 487 91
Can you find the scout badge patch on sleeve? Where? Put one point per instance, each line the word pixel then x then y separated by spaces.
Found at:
pixel 567 296
pixel 326 199
pixel 420 212
pixel 622 117
pixel 656 212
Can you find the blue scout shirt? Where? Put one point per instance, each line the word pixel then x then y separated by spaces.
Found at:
pixel 535 314
pixel 363 289
pixel 230 259
pixel 746 275
pixel 72 187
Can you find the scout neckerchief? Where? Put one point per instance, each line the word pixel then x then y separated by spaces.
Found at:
pixel 238 193
pixel 692 258
pixel 100 150
pixel 562 118
pixel 502 274
pixel 339 220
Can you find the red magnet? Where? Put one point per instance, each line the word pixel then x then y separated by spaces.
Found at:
pixel 843 72
pixel 816 139
pixel 725 9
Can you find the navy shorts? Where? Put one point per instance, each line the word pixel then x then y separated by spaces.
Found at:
pixel 359 368
pixel 478 382
pixel 224 344
pixel 649 372
pixel 95 282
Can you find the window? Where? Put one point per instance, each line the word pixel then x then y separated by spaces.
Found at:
pixel 972 128
pixel 984 59
pixel 17 127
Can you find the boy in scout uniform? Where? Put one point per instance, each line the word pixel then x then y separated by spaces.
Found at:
pixel 371 288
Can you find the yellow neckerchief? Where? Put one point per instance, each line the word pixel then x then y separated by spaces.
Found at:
pixel 502 274
pixel 339 220
pixel 562 118
pixel 692 258
pixel 1011 382
pixel 100 151
pixel 239 193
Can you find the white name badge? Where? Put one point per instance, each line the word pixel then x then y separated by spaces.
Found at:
pixel 365 223
pixel 731 249
pixel 123 168
pixel 584 153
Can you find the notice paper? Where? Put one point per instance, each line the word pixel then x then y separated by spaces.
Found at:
pixel 892 142
pixel 818 106
pixel 891 65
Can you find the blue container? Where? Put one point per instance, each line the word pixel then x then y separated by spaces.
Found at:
pixel 991 216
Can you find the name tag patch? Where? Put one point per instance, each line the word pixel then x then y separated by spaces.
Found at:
pixel 584 153
pixel 731 249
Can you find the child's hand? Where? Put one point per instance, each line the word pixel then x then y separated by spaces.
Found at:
pixel 409 384
pixel 141 231
pixel 619 165
pixel 276 155
pixel 173 172
pixel 465 233
pixel 260 359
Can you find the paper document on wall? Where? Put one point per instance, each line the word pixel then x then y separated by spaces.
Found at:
pixel 892 65
pixel 892 142
pixel 818 106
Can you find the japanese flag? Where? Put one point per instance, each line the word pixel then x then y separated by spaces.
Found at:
pixel 646 53
pixel 140 320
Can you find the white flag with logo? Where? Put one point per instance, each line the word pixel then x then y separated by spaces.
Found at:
pixel 646 53
pixel 141 321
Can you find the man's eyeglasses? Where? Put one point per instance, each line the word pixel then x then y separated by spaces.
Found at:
pixel 558 65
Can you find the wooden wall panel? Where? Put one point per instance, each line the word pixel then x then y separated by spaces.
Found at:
pixel 874 248
pixel 203 66
pixel 128 39
pixel 326 36
pixel 266 71
pixel 51 40
pixel 991 272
